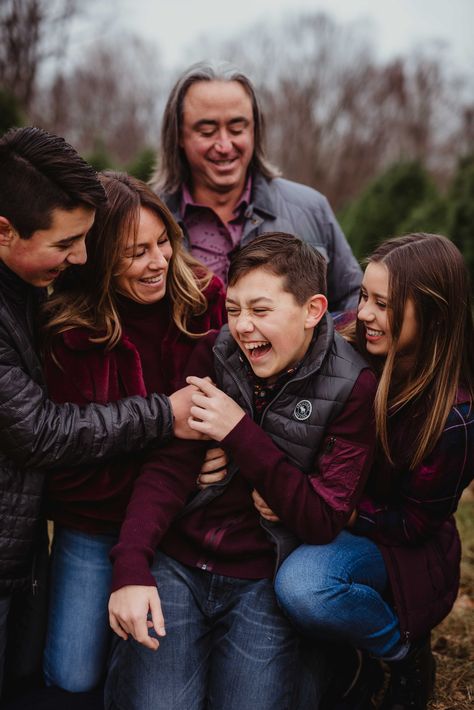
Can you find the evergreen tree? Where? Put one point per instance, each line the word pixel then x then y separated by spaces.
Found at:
pixel 386 205
pixel 10 113
pixel 143 165
pixel 429 216
pixel 99 158
pixel 460 219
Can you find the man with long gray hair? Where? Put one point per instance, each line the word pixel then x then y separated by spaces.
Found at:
pixel 213 174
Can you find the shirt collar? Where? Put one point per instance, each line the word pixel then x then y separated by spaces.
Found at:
pixel 243 202
pixel 282 378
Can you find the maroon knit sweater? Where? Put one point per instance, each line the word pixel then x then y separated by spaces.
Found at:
pixel 151 357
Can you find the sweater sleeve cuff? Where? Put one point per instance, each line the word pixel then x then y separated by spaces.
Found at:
pixel 130 567
pixel 235 439
pixel 248 436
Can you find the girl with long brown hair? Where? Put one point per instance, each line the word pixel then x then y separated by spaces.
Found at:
pixel 384 583
pixel 125 323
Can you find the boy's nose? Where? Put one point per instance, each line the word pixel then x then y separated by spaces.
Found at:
pixel 244 324
pixel 78 255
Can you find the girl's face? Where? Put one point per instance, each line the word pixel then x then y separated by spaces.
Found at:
pixel 373 314
pixel 144 264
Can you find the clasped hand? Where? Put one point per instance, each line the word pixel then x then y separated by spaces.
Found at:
pixel 213 413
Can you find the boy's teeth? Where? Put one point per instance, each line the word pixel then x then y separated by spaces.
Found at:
pixel 252 346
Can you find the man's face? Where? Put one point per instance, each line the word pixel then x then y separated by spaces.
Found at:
pixel 40 259
pixel 270 327
pixel 217 135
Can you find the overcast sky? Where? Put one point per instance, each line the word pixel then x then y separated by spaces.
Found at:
pixel 396 26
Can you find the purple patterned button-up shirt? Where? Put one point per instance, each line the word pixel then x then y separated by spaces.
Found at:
pixel 212 240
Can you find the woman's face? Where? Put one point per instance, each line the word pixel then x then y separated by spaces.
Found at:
pixel 144 265
pixel 373 309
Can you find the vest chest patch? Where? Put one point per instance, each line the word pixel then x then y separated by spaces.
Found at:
pixel 303 410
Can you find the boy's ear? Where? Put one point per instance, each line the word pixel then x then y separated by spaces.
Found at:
pixel 7 232
pixel 317 306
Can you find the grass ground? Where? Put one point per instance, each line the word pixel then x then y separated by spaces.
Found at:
pixel 453 640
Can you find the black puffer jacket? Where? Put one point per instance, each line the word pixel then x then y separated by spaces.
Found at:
pixel 36 434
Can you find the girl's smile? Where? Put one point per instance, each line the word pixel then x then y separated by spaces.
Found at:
pixel 373 312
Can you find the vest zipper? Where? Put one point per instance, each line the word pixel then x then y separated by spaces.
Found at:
pixel 240 388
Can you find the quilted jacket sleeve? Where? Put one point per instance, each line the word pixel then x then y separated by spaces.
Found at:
pixel 36 433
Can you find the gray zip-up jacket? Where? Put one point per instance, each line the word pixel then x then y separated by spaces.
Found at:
pixel 280 205
pixel 36 434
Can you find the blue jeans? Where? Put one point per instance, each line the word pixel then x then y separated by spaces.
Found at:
pixel 227 647
pixel 335 591
pixel 78 636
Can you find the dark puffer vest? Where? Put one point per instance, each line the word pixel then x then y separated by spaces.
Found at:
pixel 300 412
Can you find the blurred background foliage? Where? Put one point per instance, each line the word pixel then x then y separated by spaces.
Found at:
pixel 390 143
pixel 404 198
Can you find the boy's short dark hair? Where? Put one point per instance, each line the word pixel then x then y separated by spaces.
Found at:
pixel 40 172
pixel 303 268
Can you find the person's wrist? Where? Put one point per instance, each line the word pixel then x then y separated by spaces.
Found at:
pixel 169 429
